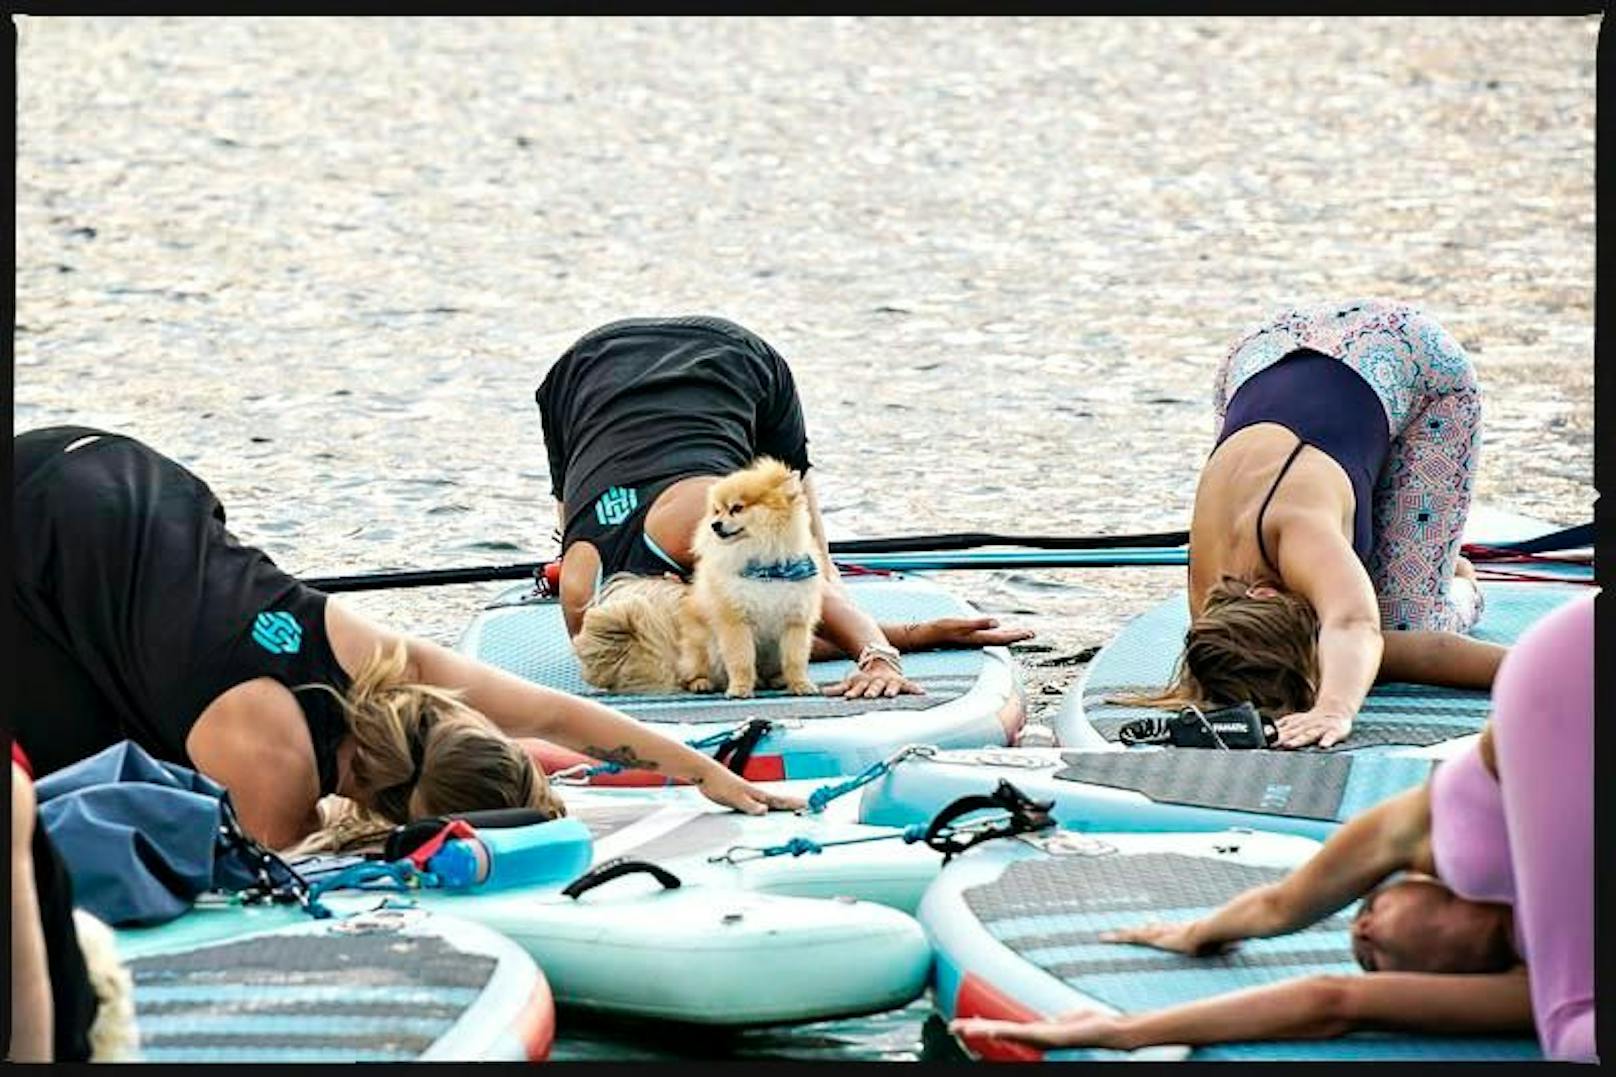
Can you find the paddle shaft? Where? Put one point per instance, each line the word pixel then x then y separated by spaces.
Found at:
pixel 906 555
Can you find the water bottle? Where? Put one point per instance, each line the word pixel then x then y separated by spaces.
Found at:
pixel 544 854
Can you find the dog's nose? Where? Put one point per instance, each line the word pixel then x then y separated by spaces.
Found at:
pixel 718 527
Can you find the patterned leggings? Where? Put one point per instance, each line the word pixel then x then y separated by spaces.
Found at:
pixel 1433 410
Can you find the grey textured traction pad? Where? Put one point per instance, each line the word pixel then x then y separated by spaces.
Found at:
pixel 1300 785
pixel 1136 885
pixel 939 690
pixel 1464 714
pixel 526 636
pixel 302 977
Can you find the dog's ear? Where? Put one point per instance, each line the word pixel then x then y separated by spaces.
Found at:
pixel 794 488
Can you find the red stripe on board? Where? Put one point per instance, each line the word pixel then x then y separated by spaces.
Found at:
pixel 535 1025
pixel 765 768
pixel 978 998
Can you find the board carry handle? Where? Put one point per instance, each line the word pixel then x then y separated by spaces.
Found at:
pixel 616 868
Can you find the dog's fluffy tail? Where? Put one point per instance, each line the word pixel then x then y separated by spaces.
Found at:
pixel 629 639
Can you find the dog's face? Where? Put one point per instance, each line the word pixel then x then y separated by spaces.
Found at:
pixel 759 502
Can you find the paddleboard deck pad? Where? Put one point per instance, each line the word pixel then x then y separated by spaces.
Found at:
pixel 973 696
pixel 1160 789
pixel 1141 657
pixel 723 945
pixel 1016 928
pixel 391 986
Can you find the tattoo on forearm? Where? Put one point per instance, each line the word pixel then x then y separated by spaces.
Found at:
pixel 623 756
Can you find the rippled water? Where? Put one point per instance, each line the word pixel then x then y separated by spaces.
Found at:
pixel 326 262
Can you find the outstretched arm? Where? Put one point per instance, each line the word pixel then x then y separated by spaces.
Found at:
pixel 1317 1007
pixel 848 629
pixel 1391 836
pixel 844 629
pixel 523 709
pixel 1318 563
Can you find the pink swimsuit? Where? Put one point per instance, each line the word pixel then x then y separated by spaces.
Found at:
pixel 1527 838
pixel 1468 832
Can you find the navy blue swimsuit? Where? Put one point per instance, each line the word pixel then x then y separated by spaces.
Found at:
pixel 1329 406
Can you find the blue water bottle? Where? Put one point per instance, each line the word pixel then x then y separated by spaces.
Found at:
pixel 543 854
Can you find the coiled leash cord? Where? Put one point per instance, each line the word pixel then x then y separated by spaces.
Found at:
pixel 1022 815
pixel 819 798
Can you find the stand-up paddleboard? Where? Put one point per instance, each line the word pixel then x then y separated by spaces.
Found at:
pixel 648 942
pixel 390 986
pixel 810 855
pixel 973 696
pixel 1015 925
pixel 1142 656
pixel 1400 734
pixel 1161 789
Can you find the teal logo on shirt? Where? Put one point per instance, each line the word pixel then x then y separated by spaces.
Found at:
pixel 277 632
pixel 615 505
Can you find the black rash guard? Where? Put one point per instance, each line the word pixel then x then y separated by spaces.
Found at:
pixel 136 609
pixel 637 405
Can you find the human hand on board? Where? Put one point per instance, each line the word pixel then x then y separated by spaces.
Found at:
pixel 1082 1028
pixel 948 632
pixel 875 680
pixel 722 786
pixel 1324 726
pixel 1180 938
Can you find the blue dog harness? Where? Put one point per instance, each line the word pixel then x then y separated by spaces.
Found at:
pixel 791 571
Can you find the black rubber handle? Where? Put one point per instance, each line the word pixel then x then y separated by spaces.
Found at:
pixel 409 837
pixel 616 869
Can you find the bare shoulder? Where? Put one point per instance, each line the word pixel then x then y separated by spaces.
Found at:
pixel 354 637
pixel 258 717
pixel 254 741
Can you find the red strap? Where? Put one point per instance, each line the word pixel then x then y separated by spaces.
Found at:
pixel 19 757
pixel 454 828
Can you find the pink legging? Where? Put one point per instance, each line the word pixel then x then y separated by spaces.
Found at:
pixel 1433 413
pixel 1543 729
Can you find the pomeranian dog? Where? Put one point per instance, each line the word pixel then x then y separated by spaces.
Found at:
pixel 758 587
pixel 746 618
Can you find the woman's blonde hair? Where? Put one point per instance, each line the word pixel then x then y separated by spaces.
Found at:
pixel 419 750
pixel 1264 651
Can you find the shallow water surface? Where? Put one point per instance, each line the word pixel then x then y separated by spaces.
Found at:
pixel 325 263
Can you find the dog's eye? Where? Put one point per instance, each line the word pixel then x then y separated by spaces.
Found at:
pixel 735 509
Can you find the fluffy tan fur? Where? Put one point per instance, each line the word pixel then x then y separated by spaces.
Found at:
pixel 736 630
pixel 114 1036
pixel 723 630
pixel 629 639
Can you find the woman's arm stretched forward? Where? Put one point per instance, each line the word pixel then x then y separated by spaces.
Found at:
pixel 523 709
pixel 1312 1008
pixel 1391 836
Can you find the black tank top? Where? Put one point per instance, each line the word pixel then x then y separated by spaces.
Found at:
pixel 1329 406
pixel 124 562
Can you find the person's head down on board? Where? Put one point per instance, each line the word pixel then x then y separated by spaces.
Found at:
pixel 420 751
pixel 1254 643
pixel 1417 924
